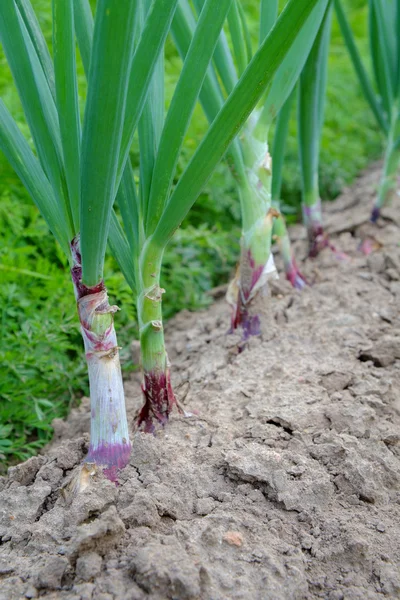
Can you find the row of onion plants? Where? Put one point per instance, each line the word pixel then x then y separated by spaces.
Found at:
pixel 249 157
pixel 382 90
pixel 77 169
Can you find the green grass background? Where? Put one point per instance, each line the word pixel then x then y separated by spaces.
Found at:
pixel 42 367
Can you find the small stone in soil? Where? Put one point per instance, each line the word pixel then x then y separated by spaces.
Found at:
pixel 233 538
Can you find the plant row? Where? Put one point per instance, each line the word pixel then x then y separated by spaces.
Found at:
pixel 79 172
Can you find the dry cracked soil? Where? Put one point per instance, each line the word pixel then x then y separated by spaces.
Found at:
pixel 284 484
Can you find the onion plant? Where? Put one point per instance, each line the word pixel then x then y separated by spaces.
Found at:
pixel 280 233
pixel 153 211
pixel 74 172
pixel 384 40
pixel 311 101
pixel 248 156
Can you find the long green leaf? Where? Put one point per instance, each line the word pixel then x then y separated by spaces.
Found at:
pixel 43 91
pixel 148 50
pixel 311 85
pixel 237 37
pixel 278 148
pixel 150 128
pixel 322 74
pixel 83 22
pixel 359 67
pixel 67 98
pixel 381 55
pixel 211 97
pixel 182 29
pixel 246 32
pixel 102 129
pixel 222 57
pixel 126 197
pixel 149 131
pixel 397 38
pixel 268 16
pixel 236 110
pixel 289 71
pixel 376 56
pixel 28 169
pixel 225 64
pixel 38 41
pixel 128 205
pixel 37 101
pixel 122 252
pixel 182 105
pixel 386 13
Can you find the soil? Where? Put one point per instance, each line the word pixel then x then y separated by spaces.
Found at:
pixel 285 481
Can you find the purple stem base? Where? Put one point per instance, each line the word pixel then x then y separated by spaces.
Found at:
pixel 159 400
pixel 375 214
pixel 319 240
pixel 113 458
pixel 250 324
pixel 296 278
pixel 249 275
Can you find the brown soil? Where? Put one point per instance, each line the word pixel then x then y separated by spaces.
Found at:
pixel 285 482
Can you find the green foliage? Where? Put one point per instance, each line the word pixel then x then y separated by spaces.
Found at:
pixel 310 110
pixel 113 41
pixel 42 369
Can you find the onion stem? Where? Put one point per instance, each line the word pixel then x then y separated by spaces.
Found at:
pixel 157 389
pixel 280 235
pixel 389 181
pixel 256 261
pixel 110 447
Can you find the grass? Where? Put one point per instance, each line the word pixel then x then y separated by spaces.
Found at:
pixel 43 371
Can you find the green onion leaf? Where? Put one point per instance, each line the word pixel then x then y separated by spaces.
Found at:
pixel 126 197
pixel 246 32
pixel 67 98
pixel 37 101
pixel 150 128
pixel 211 97
pixel 128 204
pixel 380 54
pixel 39 43
pixel 365 83
pixel 121 251
pixel 102 129
pixel 310 108
pixel 268 15
pixel 148 50
pixel 28 169
pixel 182 105
pixel 289 71
pixel 237 37
pixel 83 22
pixel 222 56
pixel 278 148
